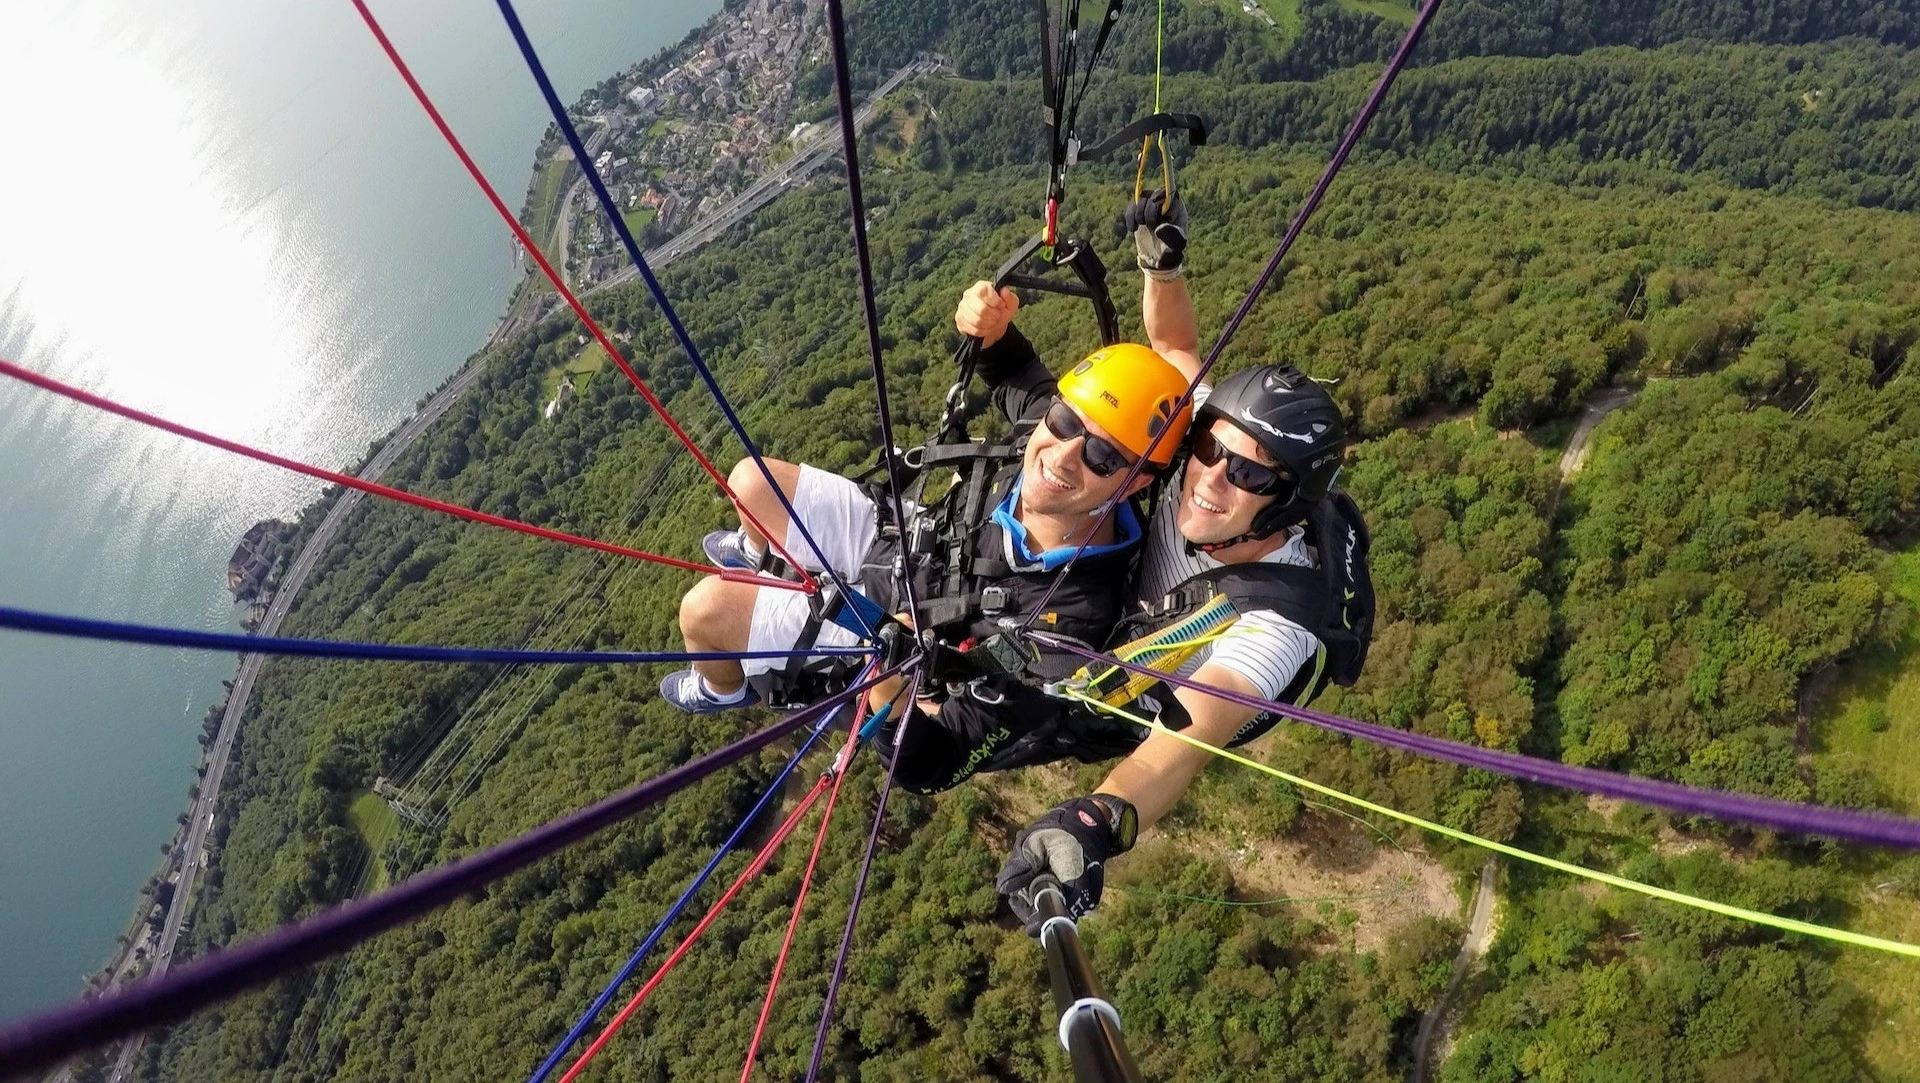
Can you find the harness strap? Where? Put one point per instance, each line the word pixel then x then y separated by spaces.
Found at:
pixel 1152 124
pixel 1059 65
pixel 1112 17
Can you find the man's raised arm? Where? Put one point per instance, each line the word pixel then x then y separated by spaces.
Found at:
pixel 1159 231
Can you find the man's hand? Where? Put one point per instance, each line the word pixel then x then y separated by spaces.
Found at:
pixel 985 312
pixel 1072 843
pixel 1159 234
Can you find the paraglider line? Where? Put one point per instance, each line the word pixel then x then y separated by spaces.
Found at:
pixel 1793 816
pixel 27 620
pixel 1299 223
pixel 752 870
pixel 618 221
pixel 1757 917
pixel 44 1040
pixel 680 905
pixel 857 204
pixel 800 901
pixel 859 893
pixel 88 398
pixel 560 285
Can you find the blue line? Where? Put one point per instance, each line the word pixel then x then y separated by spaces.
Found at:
pixel 26 620
pixel 673 912
pixel 619 224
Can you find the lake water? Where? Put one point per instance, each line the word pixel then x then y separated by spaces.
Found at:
pixel 233 214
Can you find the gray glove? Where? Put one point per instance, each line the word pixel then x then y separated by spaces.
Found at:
pixel 1071 843
pixel 1159 235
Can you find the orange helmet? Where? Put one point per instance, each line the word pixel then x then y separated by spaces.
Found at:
pixel 1129 390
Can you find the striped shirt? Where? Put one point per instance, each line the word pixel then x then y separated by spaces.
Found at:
pixel 1263 647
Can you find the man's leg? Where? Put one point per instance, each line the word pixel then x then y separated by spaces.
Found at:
pixel 717 615
pixel 758 499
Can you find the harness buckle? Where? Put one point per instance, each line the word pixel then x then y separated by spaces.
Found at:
pixel 993 600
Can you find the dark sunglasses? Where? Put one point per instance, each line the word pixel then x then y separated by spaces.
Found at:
pixel 1242 472
pixel 1101 457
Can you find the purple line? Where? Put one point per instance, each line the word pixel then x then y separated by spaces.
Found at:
pixel 1792 816
pixel 44 1040
pixel 859 890
pixel 869 307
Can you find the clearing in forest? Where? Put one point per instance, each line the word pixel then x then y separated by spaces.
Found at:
pixel 1872 717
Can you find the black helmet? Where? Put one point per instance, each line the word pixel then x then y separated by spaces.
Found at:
pixel 1298 423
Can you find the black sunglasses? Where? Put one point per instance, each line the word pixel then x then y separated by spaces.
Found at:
pixel 1101 457
pixel 1242 472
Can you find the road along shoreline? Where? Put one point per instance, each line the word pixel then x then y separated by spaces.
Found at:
pixel 186 859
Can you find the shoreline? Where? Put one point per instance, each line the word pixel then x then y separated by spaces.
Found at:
pixel 143 952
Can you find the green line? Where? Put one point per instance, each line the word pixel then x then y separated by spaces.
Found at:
pixel 1368 824
pixel 1791 925
pixel 1159 43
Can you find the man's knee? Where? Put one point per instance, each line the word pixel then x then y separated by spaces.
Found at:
pixel 750 484
pixel 707 609
pixel 746 480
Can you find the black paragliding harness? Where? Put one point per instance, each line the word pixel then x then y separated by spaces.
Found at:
pixel 969 606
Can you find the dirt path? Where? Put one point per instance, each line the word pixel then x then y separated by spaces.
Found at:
pixel 1598 407
pixel 1435 1026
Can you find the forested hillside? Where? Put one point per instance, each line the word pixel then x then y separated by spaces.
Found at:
pixel 1709 205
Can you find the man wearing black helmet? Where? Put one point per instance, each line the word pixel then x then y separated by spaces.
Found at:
pixel 1253 579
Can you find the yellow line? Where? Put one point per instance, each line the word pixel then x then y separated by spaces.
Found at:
pixel 1859 940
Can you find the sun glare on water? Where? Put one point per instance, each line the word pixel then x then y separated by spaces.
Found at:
pixel 140 260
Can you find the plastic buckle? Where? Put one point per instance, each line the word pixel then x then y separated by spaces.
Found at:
pixel 993 600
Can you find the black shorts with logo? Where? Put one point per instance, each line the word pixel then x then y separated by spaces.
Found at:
pixel 1026 728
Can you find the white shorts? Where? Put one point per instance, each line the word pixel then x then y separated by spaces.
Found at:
pixel 840 516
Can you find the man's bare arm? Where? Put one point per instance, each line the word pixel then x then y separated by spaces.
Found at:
pixel 1157 774
pixel 1172 327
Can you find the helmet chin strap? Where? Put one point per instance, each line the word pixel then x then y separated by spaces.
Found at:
pixel 1257 533
pixel 1214 547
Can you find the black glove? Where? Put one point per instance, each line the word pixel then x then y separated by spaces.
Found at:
pixel 1072 843
pixel 1159 235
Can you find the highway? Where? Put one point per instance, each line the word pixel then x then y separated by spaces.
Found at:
pixel 200 818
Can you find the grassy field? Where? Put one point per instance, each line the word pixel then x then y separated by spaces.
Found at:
pixel 1285 15
pixel 588 361
pixel 548 187
pixel 375 823
pixel 1385 9
pixel 1872 717
pixel 638 217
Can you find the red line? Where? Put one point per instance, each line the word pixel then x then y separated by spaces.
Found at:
pixel 553 276
pixel 753 869
pixel 88 398
pixel 806 882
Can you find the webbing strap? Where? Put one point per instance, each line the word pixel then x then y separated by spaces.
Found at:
pixel 1193 124
pixel 1086 80
pixel 1163 651
pixel 1059 66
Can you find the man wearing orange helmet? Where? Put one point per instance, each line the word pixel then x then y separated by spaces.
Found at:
pixel 1075 440
pixel 1253 579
